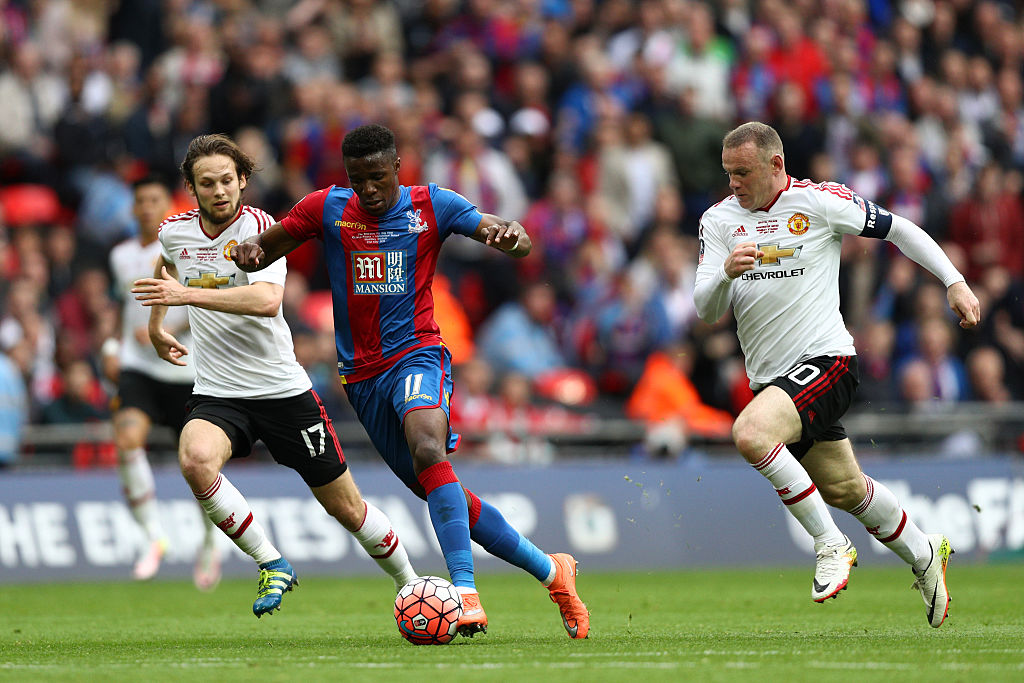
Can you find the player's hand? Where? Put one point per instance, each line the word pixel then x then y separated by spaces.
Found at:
pixel 162 291
pixel 743 258
pixel 963 302
pixel 507 237
pixel 167 347
pixel 247 256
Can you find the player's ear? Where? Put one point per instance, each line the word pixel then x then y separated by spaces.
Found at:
pixel 190 188
pixel 398 164
pixel 242 182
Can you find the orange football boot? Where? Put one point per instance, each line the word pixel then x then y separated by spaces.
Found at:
pixel 575 616
pixel 473 619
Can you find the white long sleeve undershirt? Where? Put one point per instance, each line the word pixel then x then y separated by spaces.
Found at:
pixel 711 294
pixel 918 246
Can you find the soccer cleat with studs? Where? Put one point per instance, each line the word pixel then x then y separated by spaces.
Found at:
pixel 473 619
pixel 832 569
pixel 932 581
pixel 276 579
pixel 575 616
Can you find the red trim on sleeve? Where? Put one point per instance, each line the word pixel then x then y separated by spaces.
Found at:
pixel 437 475
pixel 306 219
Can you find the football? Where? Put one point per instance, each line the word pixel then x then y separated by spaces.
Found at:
pixel 427 611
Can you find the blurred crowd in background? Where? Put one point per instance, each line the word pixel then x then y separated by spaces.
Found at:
pixel 597 124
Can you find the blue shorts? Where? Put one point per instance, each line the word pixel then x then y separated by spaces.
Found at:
pixel 421 379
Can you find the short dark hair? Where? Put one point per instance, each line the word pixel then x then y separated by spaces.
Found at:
pixel 208 145
pixel 365 141
pixel 152 179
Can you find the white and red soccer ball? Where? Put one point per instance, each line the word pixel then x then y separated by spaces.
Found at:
pixel 427 611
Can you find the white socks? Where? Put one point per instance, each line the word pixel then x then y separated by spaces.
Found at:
pixel 881 513
pixel 381 543
pixel 140 491
pixel 226 508
pixel 800 495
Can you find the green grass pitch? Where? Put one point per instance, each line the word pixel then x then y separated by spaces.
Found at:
pixel 709 625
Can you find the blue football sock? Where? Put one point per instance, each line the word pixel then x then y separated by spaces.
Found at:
pixel 500 539
pixel 450 517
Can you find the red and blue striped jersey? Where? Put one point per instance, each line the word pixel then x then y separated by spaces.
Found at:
pixel 381 268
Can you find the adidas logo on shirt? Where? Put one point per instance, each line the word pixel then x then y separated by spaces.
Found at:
pixel 739 232
pixel 183 255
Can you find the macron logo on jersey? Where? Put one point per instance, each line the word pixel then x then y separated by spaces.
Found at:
pixel 378 272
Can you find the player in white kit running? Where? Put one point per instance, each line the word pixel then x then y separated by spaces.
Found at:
pixel 248 383
pixel 148 390
pixel 772 250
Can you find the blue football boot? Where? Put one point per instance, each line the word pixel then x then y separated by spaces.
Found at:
pixel 276 578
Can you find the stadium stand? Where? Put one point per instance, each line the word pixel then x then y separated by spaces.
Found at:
pixel 596 123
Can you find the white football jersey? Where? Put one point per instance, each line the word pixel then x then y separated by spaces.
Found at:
pixel 235 356
pixel 787 307
pixel 129 261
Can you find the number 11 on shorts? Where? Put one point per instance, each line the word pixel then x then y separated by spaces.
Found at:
pixel 412 385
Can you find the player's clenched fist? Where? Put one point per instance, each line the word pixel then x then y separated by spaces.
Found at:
pixel 743 258
pixel 247 256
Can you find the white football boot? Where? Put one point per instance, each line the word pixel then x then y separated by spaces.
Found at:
pixel 832 569
pixel 932 581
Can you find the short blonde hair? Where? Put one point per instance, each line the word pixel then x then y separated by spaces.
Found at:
pixel 764 137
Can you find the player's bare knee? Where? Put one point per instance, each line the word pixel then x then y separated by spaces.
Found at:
pixel 349 514
pixel 198 464
pixel 426 453
pixel 750 440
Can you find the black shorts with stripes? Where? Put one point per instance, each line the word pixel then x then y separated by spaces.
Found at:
pixel 822 389
pixel 296 430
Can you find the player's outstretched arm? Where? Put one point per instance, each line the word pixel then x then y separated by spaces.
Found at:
pixel 259 251
pixel 259 298
pixel 507 236
pixel 919 246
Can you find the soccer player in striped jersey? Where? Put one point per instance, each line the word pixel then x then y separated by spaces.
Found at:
pixel 771 249
pixel 381 241
pixel 248 383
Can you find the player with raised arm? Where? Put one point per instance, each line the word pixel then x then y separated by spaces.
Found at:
pixel 381 241
pixel 771 249
pixel 148 390
pixel 248 383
